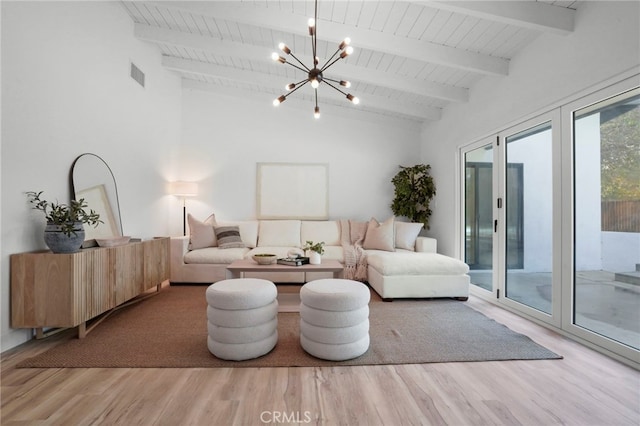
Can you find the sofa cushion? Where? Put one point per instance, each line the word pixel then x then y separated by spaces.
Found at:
pixel 228 237
pixel 279 233
pixel 410 263
pixel 317 231
pixel 406 234
pixel 248 231
pixel 333 253
pixel 201 234
pixel 215 255
pixel 379 235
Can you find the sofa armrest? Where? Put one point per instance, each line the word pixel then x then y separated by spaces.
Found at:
pixel 178 248
pixel 426 245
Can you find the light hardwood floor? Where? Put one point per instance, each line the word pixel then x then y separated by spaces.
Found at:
pixel 584 388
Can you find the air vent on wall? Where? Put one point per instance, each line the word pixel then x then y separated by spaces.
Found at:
pixel 137 74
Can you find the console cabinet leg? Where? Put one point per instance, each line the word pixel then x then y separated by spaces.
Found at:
pixel 82 330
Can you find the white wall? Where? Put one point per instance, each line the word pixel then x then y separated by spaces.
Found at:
pixel 224 137
pixel 606 42
pixel 66 90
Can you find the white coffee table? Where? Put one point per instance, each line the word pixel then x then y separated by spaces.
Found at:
pixel 239 267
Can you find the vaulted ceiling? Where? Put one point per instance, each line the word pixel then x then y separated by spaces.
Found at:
pixel 411 59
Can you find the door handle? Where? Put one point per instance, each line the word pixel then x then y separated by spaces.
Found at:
pixel 495 225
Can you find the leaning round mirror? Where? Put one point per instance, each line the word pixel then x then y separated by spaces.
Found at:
pixel 93 181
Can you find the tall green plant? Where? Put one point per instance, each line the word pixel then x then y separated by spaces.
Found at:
pixel 414 189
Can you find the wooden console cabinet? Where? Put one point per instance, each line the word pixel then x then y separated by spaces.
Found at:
pixel 67 290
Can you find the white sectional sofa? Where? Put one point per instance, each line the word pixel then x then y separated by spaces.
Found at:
pixel 399 263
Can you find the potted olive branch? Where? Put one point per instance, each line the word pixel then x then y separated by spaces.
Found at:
pixel 315 251
pixel 64 232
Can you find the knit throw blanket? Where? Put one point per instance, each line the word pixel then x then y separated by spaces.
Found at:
pixel 355 259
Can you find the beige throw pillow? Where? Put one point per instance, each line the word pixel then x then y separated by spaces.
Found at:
pixel 379 236
pixel 201 234
pixel 358 231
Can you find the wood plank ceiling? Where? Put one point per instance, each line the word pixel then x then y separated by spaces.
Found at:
pixel 411 59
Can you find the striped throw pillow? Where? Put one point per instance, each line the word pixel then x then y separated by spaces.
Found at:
pixel 228 237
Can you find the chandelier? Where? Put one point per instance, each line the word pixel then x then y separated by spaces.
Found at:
pixel 315 75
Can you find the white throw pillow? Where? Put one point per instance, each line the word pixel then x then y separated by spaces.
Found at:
pixel 380 235
pixel 201 234
pixel 406 234
pixel 279 233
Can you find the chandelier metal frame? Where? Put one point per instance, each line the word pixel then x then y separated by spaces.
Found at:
pixel 315 75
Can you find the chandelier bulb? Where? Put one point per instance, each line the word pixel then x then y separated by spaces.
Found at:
pixel 284 48
pixel 316 113
pixel 278 58
pixel 344 83
pixel 353 99
pixel 279 100
pixel 312 26
pixel 344 43
pixel 290 86
pixel 315 83
pixel 346 52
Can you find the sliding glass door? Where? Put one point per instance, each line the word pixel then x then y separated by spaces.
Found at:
pixel 606 279
pixel 478 214
pixel 551 218
pixel 509 220
pixel 528 215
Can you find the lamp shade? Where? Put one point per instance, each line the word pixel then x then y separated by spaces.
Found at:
pixel 183 189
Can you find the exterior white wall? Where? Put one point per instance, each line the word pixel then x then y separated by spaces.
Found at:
pixel 224 138
pixel 620 251
pixel 588 233
pixel 66 90
pixel 605 43
pixel 534 153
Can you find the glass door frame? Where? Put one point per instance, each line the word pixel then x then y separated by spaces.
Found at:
pixel 489 141
pixel 554 119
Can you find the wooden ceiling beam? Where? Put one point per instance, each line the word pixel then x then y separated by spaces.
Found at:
pixel 526 14
pixel 345 111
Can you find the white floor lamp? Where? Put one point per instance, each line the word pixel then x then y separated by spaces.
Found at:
pixel 184 189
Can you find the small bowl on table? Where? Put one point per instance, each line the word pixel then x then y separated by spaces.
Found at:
pixel 265 258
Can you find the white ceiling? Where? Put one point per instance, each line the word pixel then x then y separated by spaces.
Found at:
pixel 411 59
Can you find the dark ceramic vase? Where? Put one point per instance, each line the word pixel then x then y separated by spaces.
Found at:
pixel 59 242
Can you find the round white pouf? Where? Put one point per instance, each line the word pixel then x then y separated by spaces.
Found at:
pixel 242 316
pixel 334 319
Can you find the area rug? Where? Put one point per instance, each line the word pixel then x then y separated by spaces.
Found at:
pixel 170 330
